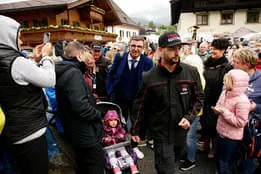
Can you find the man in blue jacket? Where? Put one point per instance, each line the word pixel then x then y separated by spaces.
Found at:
pixel 125 75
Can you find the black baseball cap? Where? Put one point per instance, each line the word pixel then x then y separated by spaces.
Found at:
pixel 170 39
pixel 96 46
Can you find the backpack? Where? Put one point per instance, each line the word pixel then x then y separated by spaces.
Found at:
pixel 252 136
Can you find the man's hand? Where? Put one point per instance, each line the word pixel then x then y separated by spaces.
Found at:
pixel 47 50
pixel 37 53
pixel 184 123
pixel 135 138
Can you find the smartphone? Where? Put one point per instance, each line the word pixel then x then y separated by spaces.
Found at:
pixel 46 37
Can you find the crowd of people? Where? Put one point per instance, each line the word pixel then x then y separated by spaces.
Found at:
pixel 165 92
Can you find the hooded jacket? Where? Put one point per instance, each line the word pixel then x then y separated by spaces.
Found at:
pixel 113 135
pixel 235 105
pixel 81 121
pixel 24 105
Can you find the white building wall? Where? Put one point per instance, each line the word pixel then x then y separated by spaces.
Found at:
pixel 117 28
pixel 187 20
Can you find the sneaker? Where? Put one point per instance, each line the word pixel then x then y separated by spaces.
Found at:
pixel 139 154
pixel 150 142
pixel 142 143
pixel 117 170
pixel 187 165
pixel 134 169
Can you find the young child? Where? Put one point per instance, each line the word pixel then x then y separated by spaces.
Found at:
pixel 232 109
pixel 113 134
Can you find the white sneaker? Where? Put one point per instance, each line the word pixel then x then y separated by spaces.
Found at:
pixel 139 154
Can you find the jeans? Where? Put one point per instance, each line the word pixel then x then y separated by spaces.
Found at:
pixel 248 166
pixel 225 150
pixel 191 140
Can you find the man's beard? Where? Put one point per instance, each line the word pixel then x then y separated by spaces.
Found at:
pixel 172 60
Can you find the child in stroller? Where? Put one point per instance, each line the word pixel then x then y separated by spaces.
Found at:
pixel 113 134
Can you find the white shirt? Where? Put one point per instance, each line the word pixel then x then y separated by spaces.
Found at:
pixel 129 61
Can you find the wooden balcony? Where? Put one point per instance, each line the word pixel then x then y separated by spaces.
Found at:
pixel 34 36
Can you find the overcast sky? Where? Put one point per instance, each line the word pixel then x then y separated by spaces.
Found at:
pixel 155 10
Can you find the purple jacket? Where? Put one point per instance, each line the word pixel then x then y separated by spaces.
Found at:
pixel 112 135
pixel 236 107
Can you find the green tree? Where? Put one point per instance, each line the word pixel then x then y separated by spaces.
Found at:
pixel 152 25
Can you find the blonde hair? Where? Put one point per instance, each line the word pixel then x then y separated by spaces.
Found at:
pixel 86 56
pixel 73 47
pixel 229 82
pixel 247 56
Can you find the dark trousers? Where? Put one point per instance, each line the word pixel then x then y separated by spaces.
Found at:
pixel 166 154
pixel 90 160
pixel 225 150
pixel 31 157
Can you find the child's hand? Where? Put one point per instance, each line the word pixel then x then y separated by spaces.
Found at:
pixel 217 110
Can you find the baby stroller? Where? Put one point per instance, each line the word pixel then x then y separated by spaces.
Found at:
pixel 121 161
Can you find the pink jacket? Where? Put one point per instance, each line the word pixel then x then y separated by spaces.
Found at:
pixel 236 107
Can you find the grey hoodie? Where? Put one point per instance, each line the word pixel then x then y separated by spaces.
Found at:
pixel 9 33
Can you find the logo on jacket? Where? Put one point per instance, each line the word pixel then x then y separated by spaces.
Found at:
pixel 184 88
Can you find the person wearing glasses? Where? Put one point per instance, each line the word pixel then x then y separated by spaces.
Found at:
pixel 125 75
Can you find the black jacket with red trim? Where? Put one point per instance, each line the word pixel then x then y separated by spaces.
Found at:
pixel 164 98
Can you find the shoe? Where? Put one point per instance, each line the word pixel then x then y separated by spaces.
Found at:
pixel 150 142
pixel 139 154
pixel 117 170
pixel 211 155
pixel 187 165
pixel 134 169
pixel 142 143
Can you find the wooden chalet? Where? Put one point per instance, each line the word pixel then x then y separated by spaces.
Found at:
pixel 83 20
pixel 179 6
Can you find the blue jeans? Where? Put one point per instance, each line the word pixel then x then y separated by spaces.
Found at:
pixel 225 150
pixel 191 140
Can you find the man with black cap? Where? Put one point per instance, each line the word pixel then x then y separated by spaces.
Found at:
pixel 101 70
pixel 167 101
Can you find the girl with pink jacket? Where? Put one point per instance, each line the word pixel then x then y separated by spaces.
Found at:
pixel 233 108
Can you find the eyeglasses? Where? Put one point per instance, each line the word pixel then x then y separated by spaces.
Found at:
pixel 136 46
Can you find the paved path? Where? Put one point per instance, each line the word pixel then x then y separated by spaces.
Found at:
pixel 204 165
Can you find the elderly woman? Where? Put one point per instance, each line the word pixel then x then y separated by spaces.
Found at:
pixel 216 66
pixel 246 59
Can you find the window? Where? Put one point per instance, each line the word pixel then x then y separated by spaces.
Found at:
pixel 227 18
pixel 202 19
pixel 121 33
pixel 76 24
pixel 253 16
pixel 44 22
pixel 35 23
pixel 25 24
pixel 40 23
pixel 128 34
pixel 64 22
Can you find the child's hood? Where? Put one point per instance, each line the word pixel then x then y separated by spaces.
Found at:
pixel 111 115
pixel 240 80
